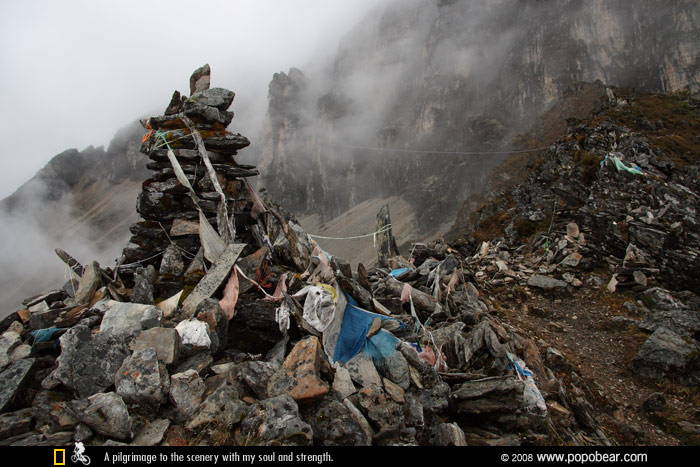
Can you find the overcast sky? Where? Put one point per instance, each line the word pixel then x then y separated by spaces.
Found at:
pixel 74 72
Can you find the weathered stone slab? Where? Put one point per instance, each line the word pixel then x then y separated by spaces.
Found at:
pixel 211 313
pixel 44 319
pixel 9 341
pixel 16 423
pixel 491 386
pixel 90 281
pixel 182 227
pixel 275 422
pixel 256 375
pixel 665 353
pixel 342 383
pixel 89 362
pixel 363 371
pixel 107 414
pixel 143 286
pixel 198 362
pixel 299 376
pixel 152 433
pixel 545 282
pixel 214 278
pixel 186 390
pixel 172 263
pixel 49 297
pixel 200 79
pixel 142 380
pixel 334 424
pixel 126 320
pixel 221 408
pixel 13 379
pixel 448 434
pixel 383 413
pixel 166 342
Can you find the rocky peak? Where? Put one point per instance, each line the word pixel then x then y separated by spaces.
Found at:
pixel 456 76
pixel 435 349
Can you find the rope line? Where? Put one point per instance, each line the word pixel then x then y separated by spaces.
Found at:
pixel 455 153
pixel 382 230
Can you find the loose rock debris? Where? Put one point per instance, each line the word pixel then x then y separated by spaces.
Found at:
pixel 225 324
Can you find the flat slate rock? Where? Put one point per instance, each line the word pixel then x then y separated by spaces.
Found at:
pixel 545 282
pixel 13 379
pixel 89 361
pixel 107 414
pixel 299 376
pixel 166 341
pixel 152 433
pixel 214 278
pixel 126 320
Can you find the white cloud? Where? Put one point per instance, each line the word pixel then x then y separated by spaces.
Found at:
pixel 74 72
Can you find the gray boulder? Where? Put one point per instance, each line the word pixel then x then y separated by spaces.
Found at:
pixel 222 408
pixel 448 434
pixel 16 423
pixel 186 390
pixel 211 313
pixel 362 370
pixel 9 341
pixel 89 361
pixel 14 378
pixel 107 414
pixel 256 375
pixel 545 282
pixel 334 425
pixel 126 320
pixel 665 353
pixel 152 433
pixel 142 380
pixel 90 281
pixel 383 413
pixel 685 323
pixel 275 422
pixel 143 286
pixel 166 342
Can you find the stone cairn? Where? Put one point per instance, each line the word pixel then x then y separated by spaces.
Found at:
pixel 166 243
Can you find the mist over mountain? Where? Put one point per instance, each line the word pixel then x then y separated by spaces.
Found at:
pixel 82 202
pixel 412 83
pixel 536 284
pixel 454 76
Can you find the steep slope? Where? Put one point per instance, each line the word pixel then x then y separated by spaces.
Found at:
pixel 81 201
pixel 560 319
pixel 599 257
pixel 421 78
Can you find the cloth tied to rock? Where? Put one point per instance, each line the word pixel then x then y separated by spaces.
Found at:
pixel 353 334
pixel 620 166
pixel 319 306
pixel 531 395
pixel 380 347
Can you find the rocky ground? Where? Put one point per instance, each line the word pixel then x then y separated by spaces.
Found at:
pixel 566 315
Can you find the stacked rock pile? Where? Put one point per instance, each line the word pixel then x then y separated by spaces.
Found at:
pixel 168 237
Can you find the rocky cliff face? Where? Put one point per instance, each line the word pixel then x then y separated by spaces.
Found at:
pixel 514 340
pixel 82 201
pixel 445 76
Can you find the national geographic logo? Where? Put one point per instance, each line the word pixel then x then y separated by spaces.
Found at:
pixel 59 457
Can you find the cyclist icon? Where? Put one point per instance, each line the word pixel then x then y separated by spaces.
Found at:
pixel 78 455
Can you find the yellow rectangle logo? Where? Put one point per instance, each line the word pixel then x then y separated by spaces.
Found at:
pixel 59 457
